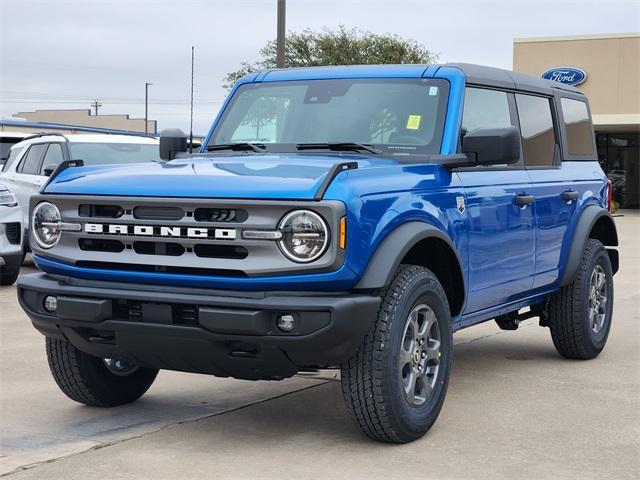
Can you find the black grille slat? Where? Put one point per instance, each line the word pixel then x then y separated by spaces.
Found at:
pixel 134 311
pixel 100 245
pixel 158 213
pixel 220 251
pixel 185 314
pixel 158 248
pixel 101 211
pixel 225 215
pixel 13 233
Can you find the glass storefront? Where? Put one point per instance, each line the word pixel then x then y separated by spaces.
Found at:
pixel 619 155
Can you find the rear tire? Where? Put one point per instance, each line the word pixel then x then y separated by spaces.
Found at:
pixel 579 315
pixel 395 383
pixel 87 379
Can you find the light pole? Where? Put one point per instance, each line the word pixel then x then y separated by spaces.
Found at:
pixel 281 29
pixel 146 106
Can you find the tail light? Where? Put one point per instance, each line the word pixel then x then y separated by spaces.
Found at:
pixel 610 196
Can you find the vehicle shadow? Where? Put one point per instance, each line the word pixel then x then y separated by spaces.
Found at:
pixel 319 411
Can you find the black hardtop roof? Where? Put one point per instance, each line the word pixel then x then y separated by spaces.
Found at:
pixel 499 78
pixel 474 74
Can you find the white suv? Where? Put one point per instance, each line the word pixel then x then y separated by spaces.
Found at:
pixel 11 237
pixel 34 159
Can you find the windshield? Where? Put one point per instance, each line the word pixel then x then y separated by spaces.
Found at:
pixel 397 116
pixel 110 153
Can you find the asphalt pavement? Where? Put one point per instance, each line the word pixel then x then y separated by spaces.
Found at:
pixel 515 409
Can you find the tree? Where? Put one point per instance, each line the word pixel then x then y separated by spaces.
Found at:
pixel 342 46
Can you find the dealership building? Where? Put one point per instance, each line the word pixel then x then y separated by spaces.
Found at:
pixel 607 69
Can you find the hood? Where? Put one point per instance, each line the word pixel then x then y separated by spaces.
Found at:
pixel 282 176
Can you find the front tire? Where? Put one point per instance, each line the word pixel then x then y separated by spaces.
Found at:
pixel 95 381
pixel 395 383
pixel 579 316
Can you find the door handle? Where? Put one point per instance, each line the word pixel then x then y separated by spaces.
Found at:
pixel 524 200
pixel 570 195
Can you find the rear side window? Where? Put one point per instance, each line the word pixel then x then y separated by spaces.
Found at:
pixel 577 127
pixel 536 127
pixel 15 153
pixel 30 164
pixel 485 109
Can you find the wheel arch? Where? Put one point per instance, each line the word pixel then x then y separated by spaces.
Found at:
pixel 594 222
pixel 418 243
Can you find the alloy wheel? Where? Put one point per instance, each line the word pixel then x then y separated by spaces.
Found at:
pixel 597 300
pixel 420 355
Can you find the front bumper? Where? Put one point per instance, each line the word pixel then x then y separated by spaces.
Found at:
pixel 219 332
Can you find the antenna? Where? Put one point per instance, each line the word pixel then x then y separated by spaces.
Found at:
pixel 191 127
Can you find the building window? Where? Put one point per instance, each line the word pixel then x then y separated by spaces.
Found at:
pixel 619 156
pixel 536 127
pixel 577 127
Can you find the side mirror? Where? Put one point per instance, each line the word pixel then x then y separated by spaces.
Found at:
pixel 48 169
pixel 173 141
pixel 493 146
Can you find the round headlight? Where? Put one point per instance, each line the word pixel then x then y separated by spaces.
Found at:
pixel 45 223
pixel 305 236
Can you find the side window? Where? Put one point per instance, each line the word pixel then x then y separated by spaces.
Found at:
pixel 485 109
pixel 536 127
pixel 577 127
pixel 30 164
pixel 53 157
pixel 15 153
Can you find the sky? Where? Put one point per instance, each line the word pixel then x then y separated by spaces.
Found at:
pixel 63 54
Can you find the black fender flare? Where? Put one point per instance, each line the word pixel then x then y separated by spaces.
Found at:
pixel 385 261
pixel 591 215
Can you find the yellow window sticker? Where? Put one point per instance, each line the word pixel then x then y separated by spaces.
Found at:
pixel 413 122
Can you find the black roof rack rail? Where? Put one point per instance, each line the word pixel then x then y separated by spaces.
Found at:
pixel 45 134
pixel 333 172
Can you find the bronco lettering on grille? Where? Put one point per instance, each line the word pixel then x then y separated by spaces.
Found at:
pixel 160 231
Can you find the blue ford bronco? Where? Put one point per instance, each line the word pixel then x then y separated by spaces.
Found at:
pixel 336 217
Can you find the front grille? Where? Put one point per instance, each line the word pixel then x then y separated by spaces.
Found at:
pixel 134 267
pixel 13 233
pixel 186 236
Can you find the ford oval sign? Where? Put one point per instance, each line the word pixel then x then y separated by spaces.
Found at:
pixel 566 75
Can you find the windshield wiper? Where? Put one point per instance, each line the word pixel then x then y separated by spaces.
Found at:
pixel 338 146
pixel 236 147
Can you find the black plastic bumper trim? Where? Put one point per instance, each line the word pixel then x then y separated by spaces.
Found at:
pixel 233 336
